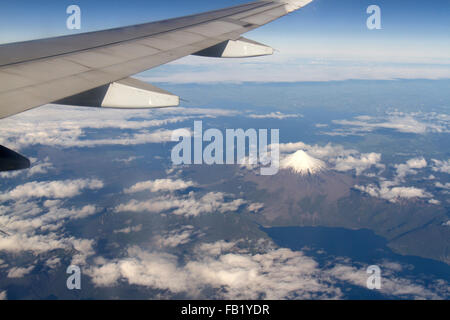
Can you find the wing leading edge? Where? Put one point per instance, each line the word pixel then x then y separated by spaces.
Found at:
pixel 38 72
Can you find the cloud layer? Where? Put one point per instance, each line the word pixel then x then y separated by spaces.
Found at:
pixel 188 205
pixel 160 185
pixel 51 189
pixel 417 123
pixel 265 272
pixel 64 126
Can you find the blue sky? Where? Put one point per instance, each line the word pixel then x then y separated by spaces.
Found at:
pixel 322 18
pixel 413 31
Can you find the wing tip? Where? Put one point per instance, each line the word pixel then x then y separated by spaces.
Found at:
pixel 293 5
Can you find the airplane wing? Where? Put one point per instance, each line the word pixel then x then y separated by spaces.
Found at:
pixel 93 68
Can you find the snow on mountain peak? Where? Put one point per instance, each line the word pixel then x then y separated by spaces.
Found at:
pixel 302 163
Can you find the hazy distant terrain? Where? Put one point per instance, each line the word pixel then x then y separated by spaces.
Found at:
pixel 103 194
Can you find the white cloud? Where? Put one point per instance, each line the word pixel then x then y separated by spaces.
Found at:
pixel 38 230
pixel 392 190
pixel 53 263
pixel 441 166
pixel 160 185
pixel 326 152
pixel 390 285
pixel 29 217
pixel 156 270
pixel 274 115
pixel 235 272
pixel 10 174
pixel 419 123
pixel 291 146
pixel 408 125
pixel 443 186
pixel 409 166
pixel 292 68
pixel 3 295
pixel 17 243
pixel 387 191
pixel 176 238
pixel 358 163
pixel 57 213
pixel 64 126
pixel 35 225
pixel 51 189
pixel 187 205
pixel 127 160
pixel 217 248
pixel 276 274
pixel 255 207
pixel 130 229
pixel 394 266
pixel 19 272
pixel 84 249
pixel 40 167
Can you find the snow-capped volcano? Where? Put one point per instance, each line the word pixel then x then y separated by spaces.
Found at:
pixel 302 163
